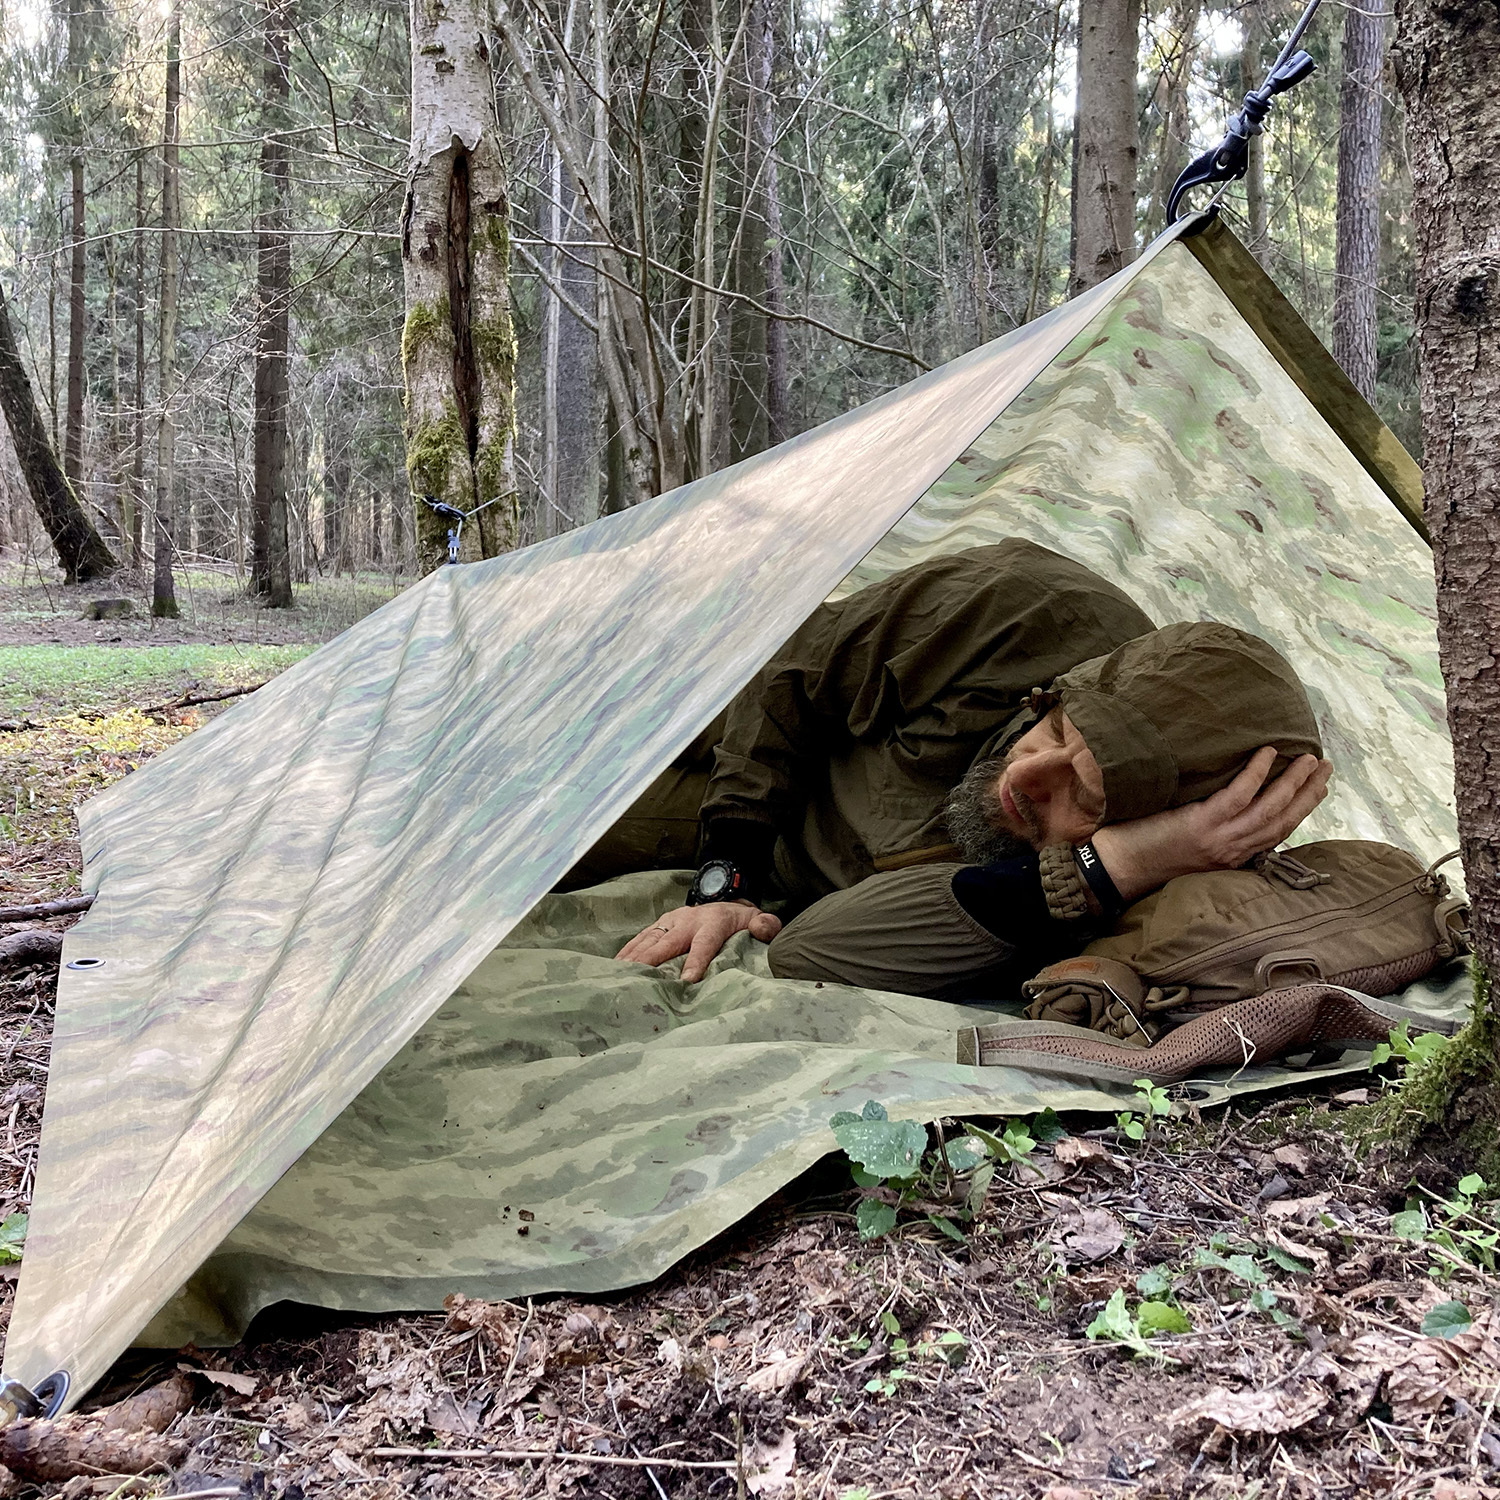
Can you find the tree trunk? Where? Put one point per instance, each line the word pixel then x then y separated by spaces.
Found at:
pixel 338 486
pixel 1176 131
pixel 80 549
pixel 762 55
pixel 458 346
pixel 73 425
pixel 1357 257
pixel 138 431
pixel 270 555
pixel 570 416
pixel 747 324
pixel 1258 242
pixel 1106 141
pixel 1448 62
pixel 163 596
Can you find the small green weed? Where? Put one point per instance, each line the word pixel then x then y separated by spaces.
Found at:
pixel 1118 1324
pixel 1241 1261
pixel 890 1160
pixel 1150 1105
pixel 1461 1230
pixel 12 1238
pixel 1448 1320
pixel 950 1348
pixel 1413 1051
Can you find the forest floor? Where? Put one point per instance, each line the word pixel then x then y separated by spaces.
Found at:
pixel 1332 1344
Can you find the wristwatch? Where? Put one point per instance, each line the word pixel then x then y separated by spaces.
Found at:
pixel 717 880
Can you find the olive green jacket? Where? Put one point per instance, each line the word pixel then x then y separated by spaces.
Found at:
pixel 850 738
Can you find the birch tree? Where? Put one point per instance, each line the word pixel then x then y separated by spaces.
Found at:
pixel 458 346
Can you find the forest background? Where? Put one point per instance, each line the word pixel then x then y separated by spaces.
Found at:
pixel 808 202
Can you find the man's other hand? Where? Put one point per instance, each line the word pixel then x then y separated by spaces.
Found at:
pixel 1221 832
pixel 700 932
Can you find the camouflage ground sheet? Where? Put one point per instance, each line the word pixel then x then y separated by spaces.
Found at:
pixel 567 1123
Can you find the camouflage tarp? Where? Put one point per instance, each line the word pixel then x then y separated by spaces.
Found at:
pixel 288 895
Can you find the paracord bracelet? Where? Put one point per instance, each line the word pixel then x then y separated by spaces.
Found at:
pixel 1063 884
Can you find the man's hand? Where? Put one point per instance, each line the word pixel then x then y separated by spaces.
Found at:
pixel 700 932
pixel 1220 833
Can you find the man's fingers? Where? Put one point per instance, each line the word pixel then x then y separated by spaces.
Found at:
pixel 1306 797
pixel 1243 790
pixel 763 926
pixel 707 942
pixel 654 945
pixel 1279 795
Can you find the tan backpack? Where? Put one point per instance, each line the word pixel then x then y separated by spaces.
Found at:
pixel 1345 911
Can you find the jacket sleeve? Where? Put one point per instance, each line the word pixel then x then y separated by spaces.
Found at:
pixel 782 726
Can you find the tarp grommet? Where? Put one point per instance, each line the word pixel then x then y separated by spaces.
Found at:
pixel 18 1401
pixel 86 963
pixel 53 1390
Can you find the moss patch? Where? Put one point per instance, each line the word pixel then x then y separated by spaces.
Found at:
pixel 1448 1109
pixel 424 322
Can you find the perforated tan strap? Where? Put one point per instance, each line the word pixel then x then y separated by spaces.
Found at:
pixel 1256 1030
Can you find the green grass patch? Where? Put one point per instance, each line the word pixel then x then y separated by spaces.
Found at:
pixel 48 679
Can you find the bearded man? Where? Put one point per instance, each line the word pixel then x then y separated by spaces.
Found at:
pixel 967 771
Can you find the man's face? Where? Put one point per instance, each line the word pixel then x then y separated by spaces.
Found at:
pixel 1048 789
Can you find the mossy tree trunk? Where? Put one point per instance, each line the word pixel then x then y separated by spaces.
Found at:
pixel 1448 66
pixel 458 346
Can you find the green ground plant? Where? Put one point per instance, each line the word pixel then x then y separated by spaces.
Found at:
pixel 1457 1232
pixel 1134 1328
pixel 1150 1105
pixel 944 1182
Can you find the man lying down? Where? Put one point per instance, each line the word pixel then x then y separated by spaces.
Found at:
pixel 966 772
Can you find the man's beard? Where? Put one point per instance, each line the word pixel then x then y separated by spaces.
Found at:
pixel 976 816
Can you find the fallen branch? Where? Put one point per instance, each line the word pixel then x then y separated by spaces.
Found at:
pixel 192 700
pixel 123 1439
pixel 537 1455
pixel 65 906
pixel 21 949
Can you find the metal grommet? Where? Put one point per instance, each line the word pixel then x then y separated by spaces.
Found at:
pixel 53 1391
pixel 86 963
pixel 20 1403
pixel 1187 1093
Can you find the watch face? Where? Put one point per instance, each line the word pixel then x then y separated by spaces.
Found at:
pixel 713 883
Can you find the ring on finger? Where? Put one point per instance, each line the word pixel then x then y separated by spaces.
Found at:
pixel 659 928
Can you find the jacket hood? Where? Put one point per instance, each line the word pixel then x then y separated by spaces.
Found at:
pixel 1173 716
